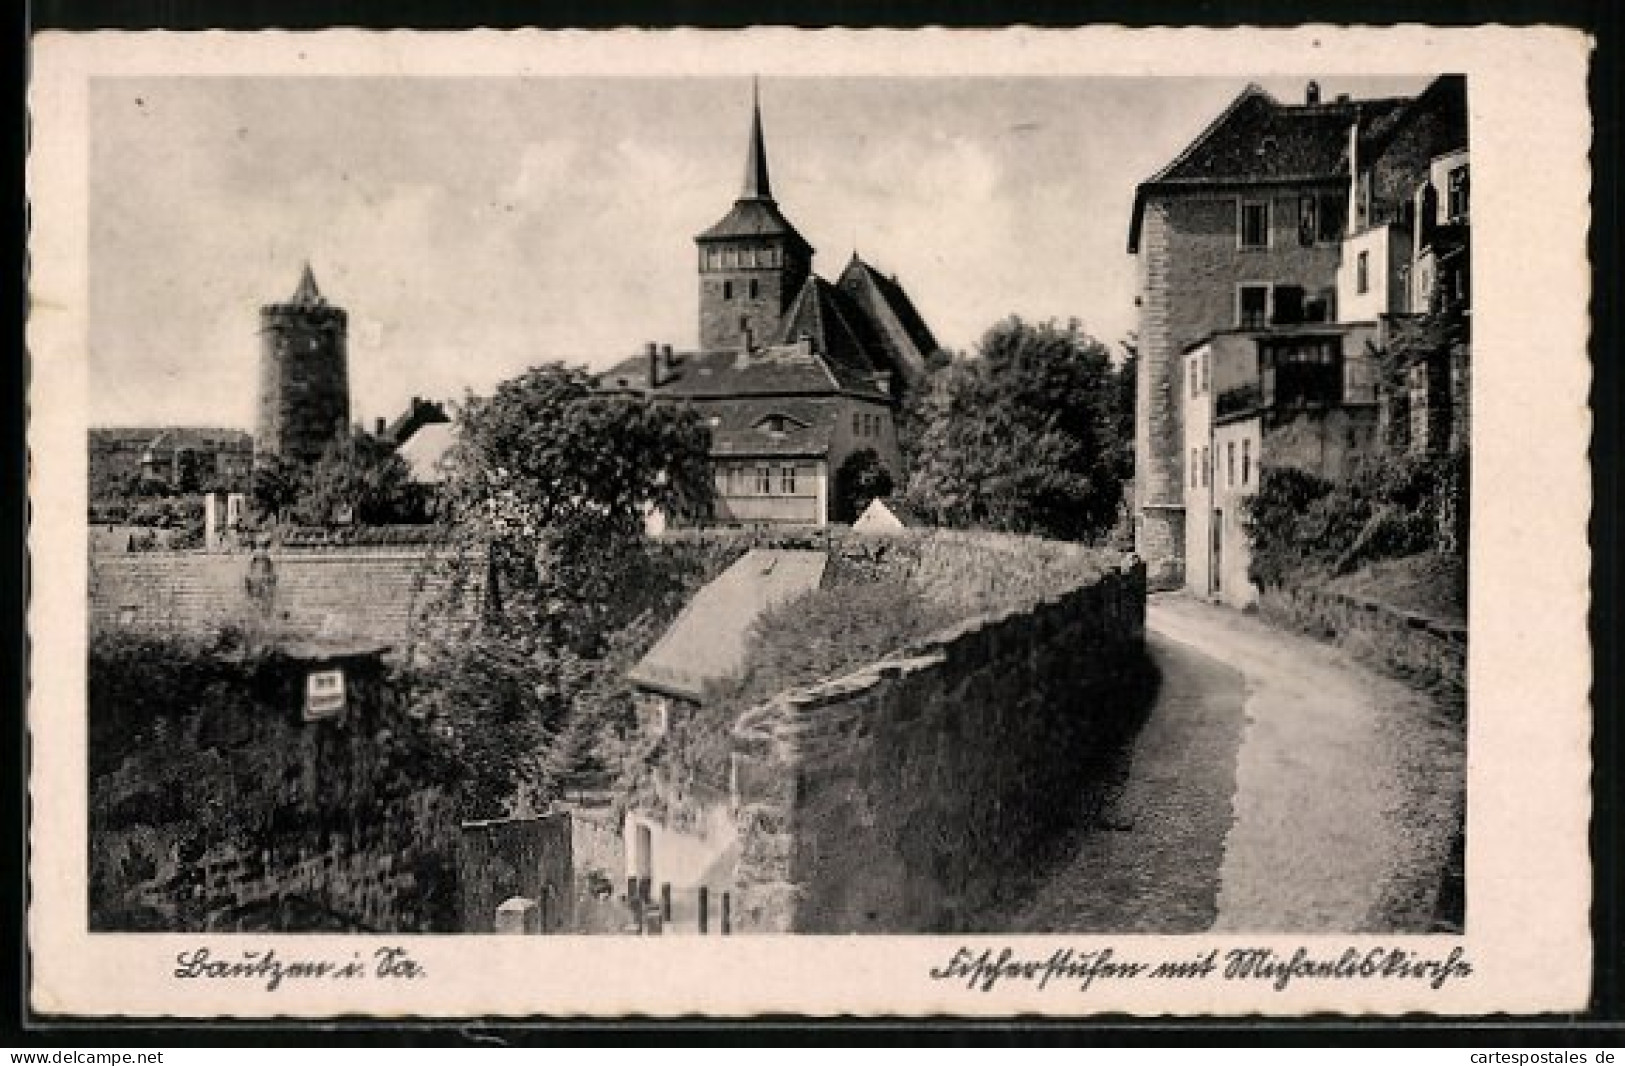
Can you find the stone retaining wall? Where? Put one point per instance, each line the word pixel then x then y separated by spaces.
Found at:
pixel 1411 645
pixel 905 796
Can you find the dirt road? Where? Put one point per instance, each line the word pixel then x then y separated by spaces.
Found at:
pixel 1277 787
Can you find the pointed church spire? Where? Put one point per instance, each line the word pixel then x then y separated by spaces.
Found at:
pixel 307 294
pixel 757 186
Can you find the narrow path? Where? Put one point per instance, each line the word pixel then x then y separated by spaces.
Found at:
pixel 1348 786
pixel 1151 862
pixel 1277 786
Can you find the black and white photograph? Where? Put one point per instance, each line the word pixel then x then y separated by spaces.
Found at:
pixel 1020 515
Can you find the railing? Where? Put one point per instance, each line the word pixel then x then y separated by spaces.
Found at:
pixel 681 912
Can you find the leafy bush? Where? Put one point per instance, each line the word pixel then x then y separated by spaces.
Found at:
pixel 861 479
pixel 813 637
pixel 1302 525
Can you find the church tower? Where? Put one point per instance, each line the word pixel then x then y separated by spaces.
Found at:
pixel 753 263
pixel 304 401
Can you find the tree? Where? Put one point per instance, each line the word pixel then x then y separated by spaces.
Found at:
pixel 550 481
pixel 1023 437
pixel 557 479
pixel 860 479
pixel 274 488
pixel 360 480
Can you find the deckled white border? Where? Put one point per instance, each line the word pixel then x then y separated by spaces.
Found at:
pixel 1530 668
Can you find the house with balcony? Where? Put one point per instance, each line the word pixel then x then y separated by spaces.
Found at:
pixel 1243 230
pixel 1407 263
pixel 1301 396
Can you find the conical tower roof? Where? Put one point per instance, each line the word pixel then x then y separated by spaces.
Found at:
pixel 307 294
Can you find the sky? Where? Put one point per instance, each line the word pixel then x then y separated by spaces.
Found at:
pixel 473 227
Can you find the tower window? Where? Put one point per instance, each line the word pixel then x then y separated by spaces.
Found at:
pixel 727 290
pixel 764 480
pixel 755 290
pixel 787 480
pixel 1362 272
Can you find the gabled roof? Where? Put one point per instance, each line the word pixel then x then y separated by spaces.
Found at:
pixel 708 641
pixel 1259 141
pixel 840 332
pixel 905 338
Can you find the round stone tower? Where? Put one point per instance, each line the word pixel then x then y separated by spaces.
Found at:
pixel 304 401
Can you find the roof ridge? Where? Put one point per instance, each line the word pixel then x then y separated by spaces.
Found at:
pixel 1252 90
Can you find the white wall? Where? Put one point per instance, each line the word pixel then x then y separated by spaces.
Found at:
pixel 1233 484
pixel 1387 248
pixel 1197 396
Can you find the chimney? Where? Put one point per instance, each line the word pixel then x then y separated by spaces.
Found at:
pixel 1311 95
pixel 667 358
pixel 378 424
pixel 1342 98
pixel 652 351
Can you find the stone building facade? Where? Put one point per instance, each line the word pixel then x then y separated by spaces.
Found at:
pixel 304 396
pixel 1242 230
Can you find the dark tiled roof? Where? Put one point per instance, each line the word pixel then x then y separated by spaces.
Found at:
pixel 777 370
pixel 742 429
pixel 840 331
pixel 1445 96
pixel 754 218
pixel 708 641
pixel 1257 140
pixel 906 339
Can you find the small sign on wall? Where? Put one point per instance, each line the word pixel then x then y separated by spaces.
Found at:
pixel 324 694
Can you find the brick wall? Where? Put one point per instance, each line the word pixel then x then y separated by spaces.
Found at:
pixel 903 797
pixel 380 594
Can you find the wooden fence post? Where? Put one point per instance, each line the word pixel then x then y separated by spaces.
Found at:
pixel 705 906
pixel 665 902
pixel 727 914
